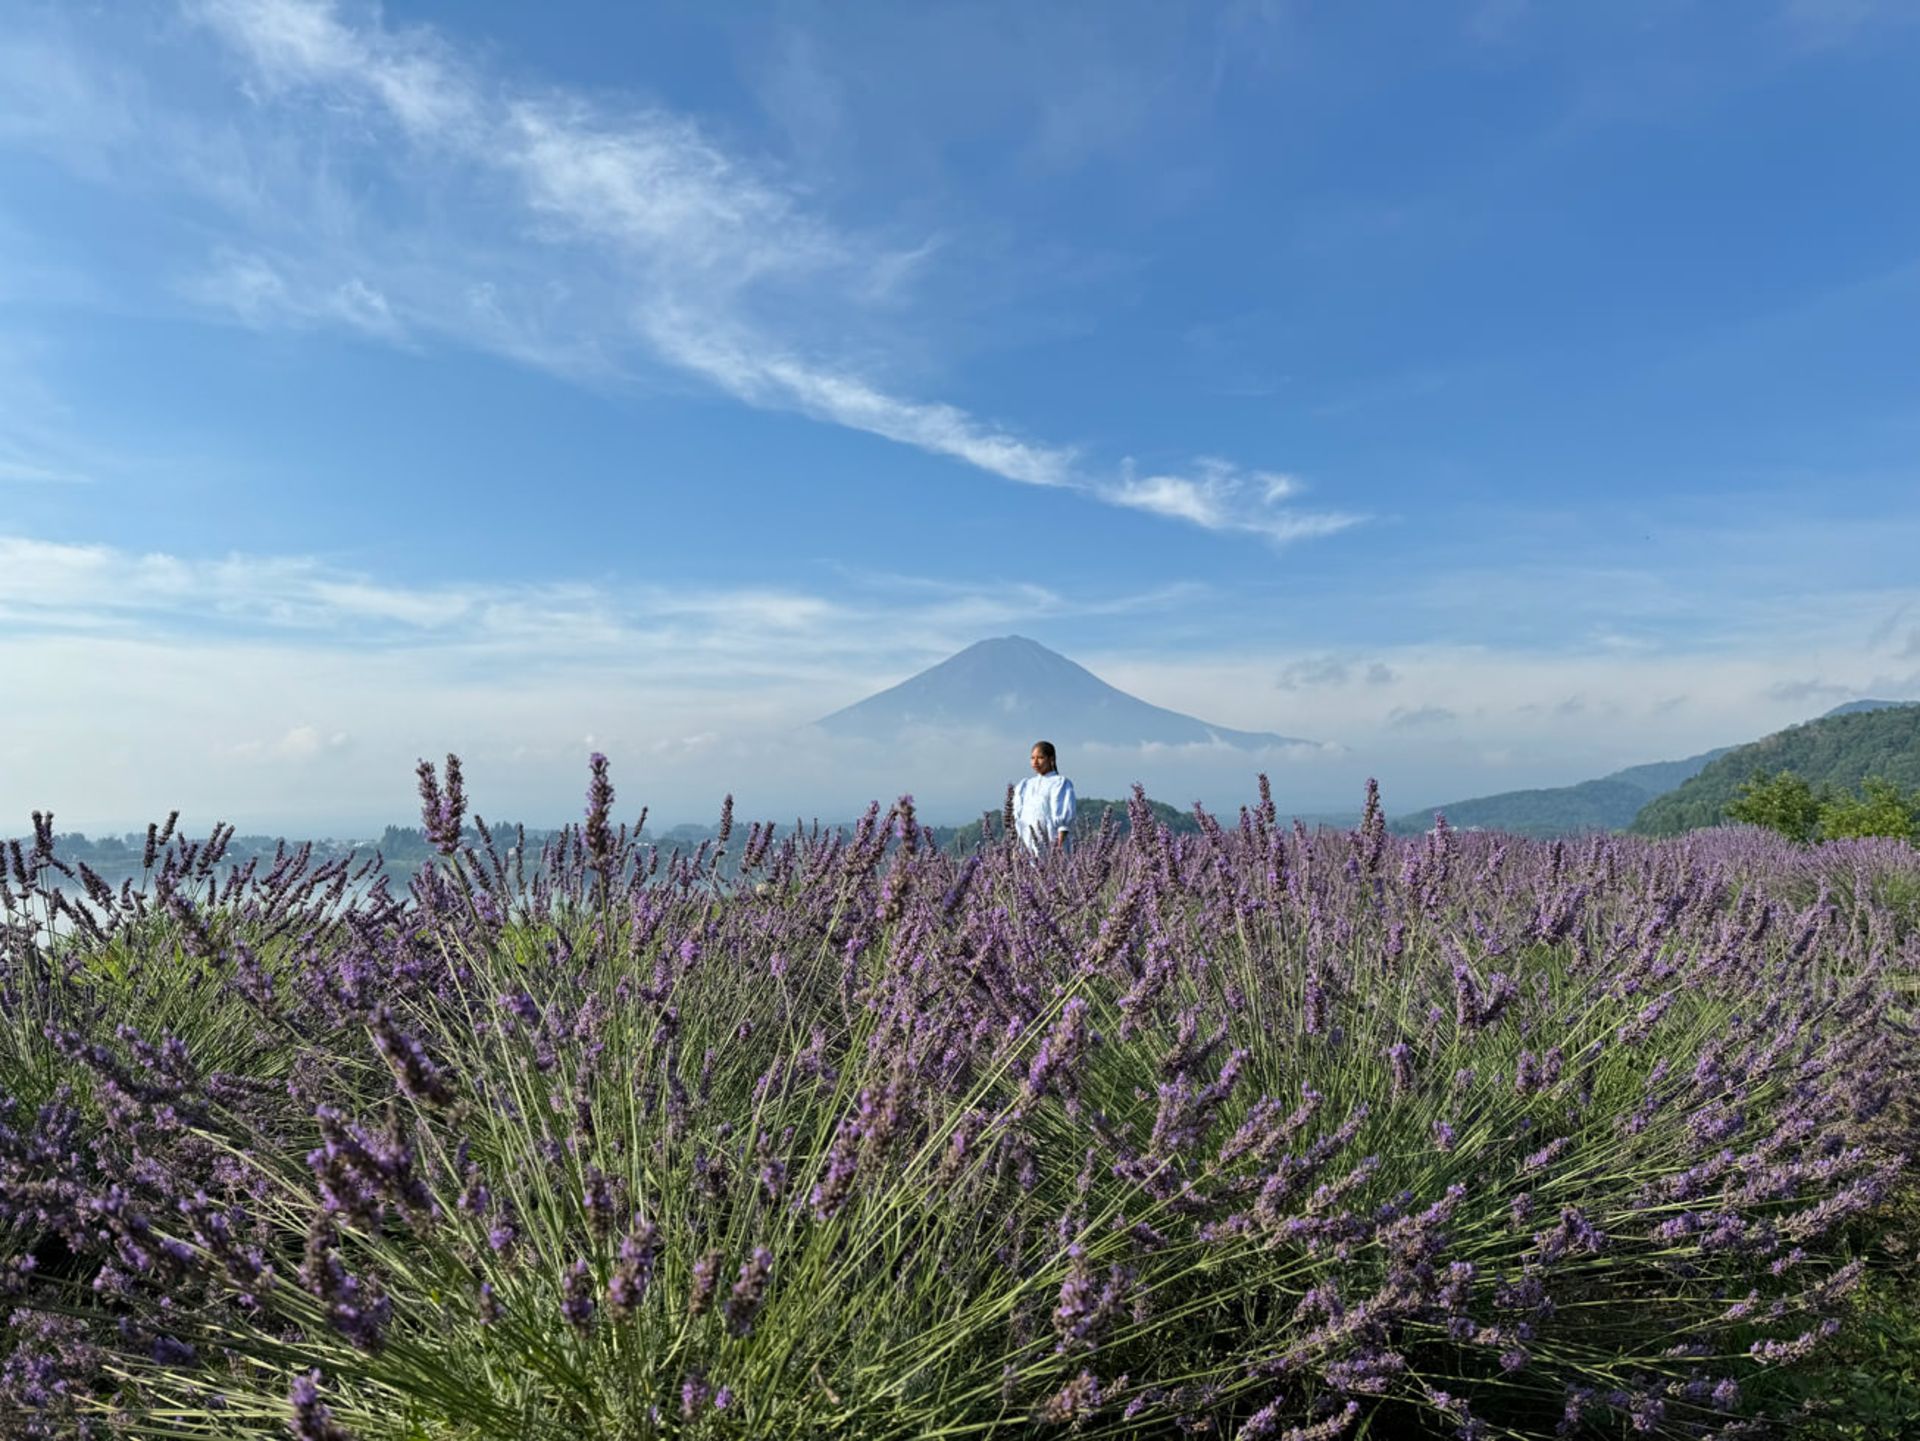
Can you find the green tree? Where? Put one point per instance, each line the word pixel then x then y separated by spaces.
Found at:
pixel 1881 809
pixel 1782 802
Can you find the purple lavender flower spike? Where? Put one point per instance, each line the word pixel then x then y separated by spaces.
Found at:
pixel 633 1270
pixel 419 1078
pixel 441 810
pixel 706 1279
pixel 576 1296
pixel 311 1420
pixel 749 1291
pixel 599 832
pixel 1400 1057
pixel 695 1393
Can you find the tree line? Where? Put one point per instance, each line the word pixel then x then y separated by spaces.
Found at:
pixel 1789 803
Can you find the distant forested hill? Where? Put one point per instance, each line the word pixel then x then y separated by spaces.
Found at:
pixel 1853 707
pixel 1087 811
pixel 1838 750
pixel 1607 804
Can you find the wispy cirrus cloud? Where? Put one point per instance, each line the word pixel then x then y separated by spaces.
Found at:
pixel 48 585
pixel 291 601
pixel 744 369
pixel 383 182
pixel 262 295
pixel 1219 495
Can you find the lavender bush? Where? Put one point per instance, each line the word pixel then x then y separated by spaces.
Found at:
pixel 1253 1132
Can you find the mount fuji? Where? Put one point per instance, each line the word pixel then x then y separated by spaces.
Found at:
pixel 1019 688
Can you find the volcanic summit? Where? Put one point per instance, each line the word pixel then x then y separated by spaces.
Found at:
pixel 1018 687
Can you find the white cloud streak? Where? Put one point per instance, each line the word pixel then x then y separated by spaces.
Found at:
pixel 720 269
pixel 49 587
pixel 259 294
pixel 758 378
pixel 1221 496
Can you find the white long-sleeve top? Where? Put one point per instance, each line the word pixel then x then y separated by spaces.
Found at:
pixel 1042 807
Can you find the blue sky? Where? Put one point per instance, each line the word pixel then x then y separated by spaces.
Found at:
pixel 1503 392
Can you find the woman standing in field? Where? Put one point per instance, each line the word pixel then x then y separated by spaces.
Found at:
pixel 1043 805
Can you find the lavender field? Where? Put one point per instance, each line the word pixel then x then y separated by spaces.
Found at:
pixel 1251 1133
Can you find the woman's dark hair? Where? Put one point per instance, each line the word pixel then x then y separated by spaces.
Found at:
pixel 1046 749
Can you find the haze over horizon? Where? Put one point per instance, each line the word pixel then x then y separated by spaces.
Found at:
pixel 1500 394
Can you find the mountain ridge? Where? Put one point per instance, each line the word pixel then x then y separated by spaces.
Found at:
pixel 1612 802
pixel 1839 749
pixel 1015 685
pixel 1607 803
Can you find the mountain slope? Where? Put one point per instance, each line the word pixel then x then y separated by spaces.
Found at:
pixel 1607 804
pixel 1658 777
pixel 1838 750
pixel 1019 687
pixel 1855 707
